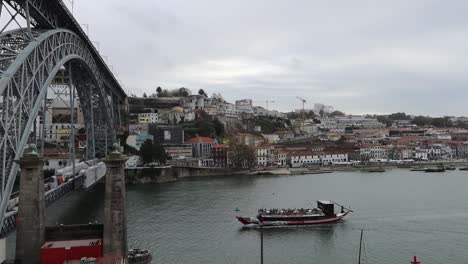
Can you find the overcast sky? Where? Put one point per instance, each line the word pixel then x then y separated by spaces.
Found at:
pixel 370 56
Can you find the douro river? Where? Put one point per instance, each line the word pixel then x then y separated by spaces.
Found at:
pixel 403 213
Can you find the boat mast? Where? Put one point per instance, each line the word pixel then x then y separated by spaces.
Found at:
pixel 360 246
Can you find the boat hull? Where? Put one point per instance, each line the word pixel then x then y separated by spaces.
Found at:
pixel 285 222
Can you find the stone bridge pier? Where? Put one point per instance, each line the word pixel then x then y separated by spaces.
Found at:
pixel 115 215
pixel 31 219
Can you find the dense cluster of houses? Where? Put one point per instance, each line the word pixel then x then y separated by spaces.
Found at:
pixel 280 149
pixel 175 110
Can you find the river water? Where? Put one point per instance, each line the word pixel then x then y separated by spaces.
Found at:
pixel 403 214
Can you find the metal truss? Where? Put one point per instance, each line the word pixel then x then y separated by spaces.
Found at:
pixel 23 86
pixel 37 39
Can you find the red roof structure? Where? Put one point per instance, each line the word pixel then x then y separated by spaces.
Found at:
pixel 200 139
pixel 219 146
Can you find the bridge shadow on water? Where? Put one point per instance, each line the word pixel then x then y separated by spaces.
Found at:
pixel 78 207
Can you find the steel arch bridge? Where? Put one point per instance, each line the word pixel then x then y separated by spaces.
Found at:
pixel 39 38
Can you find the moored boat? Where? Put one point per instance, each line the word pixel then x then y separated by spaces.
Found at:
pixel 419 169
pixel 139 256
pixel 324 213
pixel 463 168
pixel 451 167
pixel 435 169
pixel 376 170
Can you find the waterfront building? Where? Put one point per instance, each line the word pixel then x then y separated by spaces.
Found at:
pixel 373 152
pixel 201 146
pixel 219 155
pixel 332 157
pixel 304 158
pixel 265 155
pixel 178 151
pixel 281 158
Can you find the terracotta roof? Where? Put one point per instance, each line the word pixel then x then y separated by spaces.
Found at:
pixel 219 146
pixel 200 139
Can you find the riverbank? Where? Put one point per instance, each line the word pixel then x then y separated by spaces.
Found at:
pixel 165 174
pixel 173 173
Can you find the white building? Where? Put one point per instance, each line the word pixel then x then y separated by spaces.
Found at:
pixel 376 152
pixel 331 158
pixel 244 106
pixel 148 118
pixel 265 155
pixel 302 159
pixel 228 110
pixel 195 102
pixel 328 109
pixel 318 107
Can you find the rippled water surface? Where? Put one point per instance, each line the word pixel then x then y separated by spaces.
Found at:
pixel 192 221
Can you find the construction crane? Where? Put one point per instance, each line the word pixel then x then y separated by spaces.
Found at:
pixel 267 102
pixel 303 110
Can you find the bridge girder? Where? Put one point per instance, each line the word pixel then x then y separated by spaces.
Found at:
pixel 27 68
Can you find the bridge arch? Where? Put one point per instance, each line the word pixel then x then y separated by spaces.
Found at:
pixel 28 65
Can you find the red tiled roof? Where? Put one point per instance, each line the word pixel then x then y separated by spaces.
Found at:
pixel 219 146
pixel 200 139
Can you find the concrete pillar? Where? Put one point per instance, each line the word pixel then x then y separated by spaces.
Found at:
pixel 115 215
pixel 30 235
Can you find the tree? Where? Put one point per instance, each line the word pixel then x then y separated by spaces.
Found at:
pixel 202 92
pixel 422 121
pixel 183 92
pixel 399 116
pixel 336 113
pixel 153 151
pixel 159 90
pixel 243 156
pixel 144 95
pixel 159 153
pixel 321 113
pixel 146 151
pixel 219 127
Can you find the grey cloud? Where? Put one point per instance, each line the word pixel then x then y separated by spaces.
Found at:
pixel 360 56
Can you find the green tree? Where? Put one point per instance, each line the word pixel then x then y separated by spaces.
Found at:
pixel 202 92
pixel 399 116
pixel 159 90
pixel 144 95
pixel 159 153
pixel 219 127
pixel 336 113
pixel 146 151
pixel 422 121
